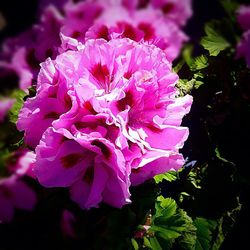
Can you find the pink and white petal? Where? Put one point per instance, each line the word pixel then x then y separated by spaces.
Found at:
pixel 63 168
pixel 40 110
pixel 88 192
pixel 158 166
pixel 167 138
pixel 116 192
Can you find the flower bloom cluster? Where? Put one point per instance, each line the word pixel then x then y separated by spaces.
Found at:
pixel 243 49
pixel 108 117
pixel 106 114
pixel 14 192
pixel 156 22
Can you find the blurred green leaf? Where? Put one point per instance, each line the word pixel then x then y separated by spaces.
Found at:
pixel 230 6
pixel 205 229
pixel 165 207
pixel 134 244
pixel 188 237
pixel 185 86
pixel 199 62
pixel 165 232
pixel 155 244
pixel 169 176
pixel 147 243
pixel 218 155
pixel 14 111
pixel 214 41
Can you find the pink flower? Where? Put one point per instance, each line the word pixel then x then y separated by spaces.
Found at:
pixel 143 25
pixel 122 124
pixel 243 48
pixel 244 44
pixel 79 17
pixel 24 53
pixel 176 10
pixel 92 167
pixel 243 16
pixel 21 163
pixel 51 101
pixel 179 11
pixel 14 194
pixel 5 106
pixel 94 19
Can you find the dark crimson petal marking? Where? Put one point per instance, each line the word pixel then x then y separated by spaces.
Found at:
pixel 31 59
pixel 135 170
pixel 128 75
pixel 80 15
pixel 52 94
pixel 67 101
pixel 82 125
pixel 103 33
pixel 89 175
pixel 90 124
pixel 87 105
pixel 128 30
pixel 105 150
pixel 98 13
pixel 100 73
pixel 127 100
pixel 52 115
pixel 148 30
pixel 49 53
pixel 76 34
pixel 167 8
pixel 64 139
pixel 154 128
pixel 71 160
pixel 142 4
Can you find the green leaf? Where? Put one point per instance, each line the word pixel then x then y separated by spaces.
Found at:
pixel 165 233
pixel 165 207
pixel 214 41
pixel 169 176
pixel 204 233
pixel 197 84
pixel 187 54
pixel 183 195
pixel 14 111
pixel 218 155
pixel 188 236
pixel 199 63
pixel 134 244
pixel 169 222
pixel 185 86
pixel 147 243
pixel 225 224
pixel 230 7
pixel 155 244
